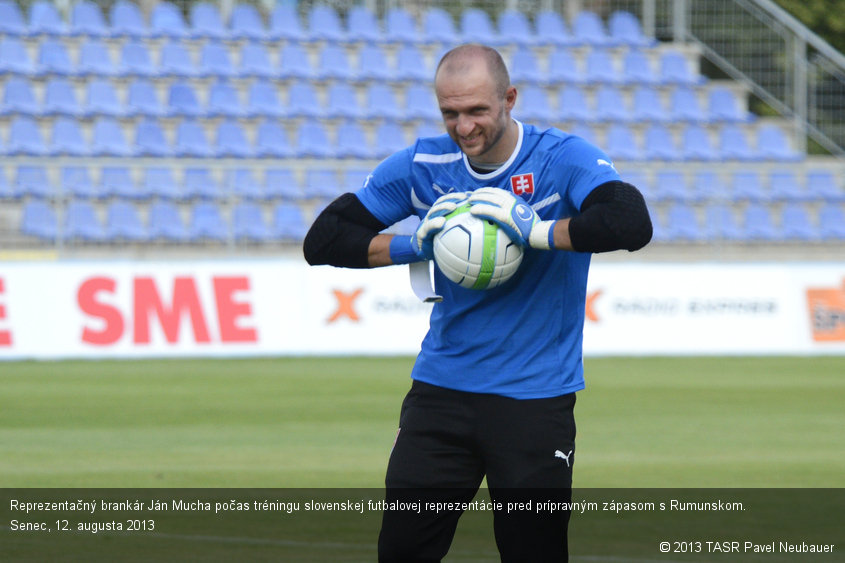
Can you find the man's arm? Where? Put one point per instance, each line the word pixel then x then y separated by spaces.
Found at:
pixel 613 216
pixel 346 234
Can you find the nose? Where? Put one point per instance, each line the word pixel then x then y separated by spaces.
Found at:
pixel 465 125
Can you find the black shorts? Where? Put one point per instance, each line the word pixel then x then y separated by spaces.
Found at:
pixel 448 441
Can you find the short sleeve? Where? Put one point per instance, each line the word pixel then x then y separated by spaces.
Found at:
pixel 589 168
pixel 387 191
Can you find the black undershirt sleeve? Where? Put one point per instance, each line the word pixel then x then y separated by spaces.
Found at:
pixel 341 234
pixel 614 216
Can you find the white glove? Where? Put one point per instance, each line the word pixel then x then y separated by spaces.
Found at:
pixel 514 216
pixel 420 245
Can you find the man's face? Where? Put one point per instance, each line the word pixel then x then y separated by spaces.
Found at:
pixel 476 116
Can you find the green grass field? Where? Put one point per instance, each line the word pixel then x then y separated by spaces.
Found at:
pixel 306 423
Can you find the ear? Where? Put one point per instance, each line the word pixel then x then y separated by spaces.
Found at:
pixel 510 97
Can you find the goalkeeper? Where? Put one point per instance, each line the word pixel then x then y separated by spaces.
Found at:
pixel 494 384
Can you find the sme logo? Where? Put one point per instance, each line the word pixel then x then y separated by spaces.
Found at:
pixel 827 313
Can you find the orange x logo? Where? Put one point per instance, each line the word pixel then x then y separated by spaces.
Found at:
pixel 345 305
pixel 591 312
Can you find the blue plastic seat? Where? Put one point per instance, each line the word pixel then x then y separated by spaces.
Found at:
pixel 191 140
pixel 342 102
pixel 38 219
pixel 25 138
pixel 215 61
pixel 784 186
pixel 411 65
pixel 621 143
pixel 12 20
pixel 95 60
pixel 601 68
pixel 822 185
pixel 796 224
pixel 67 138
pixel 637 68
pixel 207 223
pixel 135 60
pixel 670 185
pixel 312 141
pixel 684 105
pixel 159 182
pixel 324 24
pixel 477 27
pixel 746 185
pixel 86 18
pixel 199 183
pixel 101 99
pixel 362 25
pixel 206 21
pixel 514 27
pixel 723 105
pixel 439 27
pixel 44 18
pixel 176 60
pixel 294 63
pixel 696 144
pixel 248 223
pixel 142 100
pixel 659 143
pixel 734 145
pixel 166 223
pixel 322 183
pixel 241 183
pixel 255 62
pixel 19 97
pixel 352 141
pixel 14 58
pixel 588 29
pixel 675 69
pixel 420 103
pixel 353 179
pixel 82 223
pixel 772 144
pixel 625 29
pixel 425 129
pixel 707 186
pixel 288 222
pixel 564 68
pixel 246 23
pixel 533 105
pixel 232 141
pixel 285 23
pixel 182 100
pixel 573 105
pixel 372 64
pixel 682 224
pixel 127 20
pixel 166 20
pixel 280 183
pixel 552 29
pixel 60 98
pixel 400 26
pixel 611 105
pixel 721 223
pixel 32 181
pixel 108 139
pixel 263 100
pixel 758 223
pixel 123 223
pixel 76 182
pixel 303 101
pixel 525 67
pixel 116 181
pixel 647 105
pixel 53 58
pixel 389 138
pixel 333 63
pixel 832 222
pixel 223 101
pixel 272 141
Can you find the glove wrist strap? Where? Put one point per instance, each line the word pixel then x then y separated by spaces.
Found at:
pixel 542 235
pixel 402 250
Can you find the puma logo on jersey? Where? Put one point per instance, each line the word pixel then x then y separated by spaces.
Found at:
pixel 563 456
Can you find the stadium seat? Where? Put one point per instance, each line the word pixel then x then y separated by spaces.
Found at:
pixel 182 100
pixel 108 139
pixel 19 98
pixel 95 60
pixel 142 100
pixel 116 181
pixel 191 140
pixel 411 65
pixel 333 64
pixel 525 67
pixel 324 24
pixel 573 105
pixel 625 29
pixel 288 223
pixel 611 105
pixel 552 29
pixel 241 183
pixel 821 184
pixel 682 224
pixel 773 144
pixel 199 183
pixel 159 182
pixel 150 139
pixel 215 61
pixel 248 223
pixel 647 105
pixel 684 105
pixel 280 183
pixel 514 27
pixel 81 223
pixel 637 68
pixel 44 18
pixel 362 25
pixel 38 219
pixel 322 183
pixel 312 141
pixel 231 141
pixel 621 143
pixel 14 58
pixel 670 185
pixel 12 20
pixel 76 182
pixel 533 105
pixel 832 222
pixel 585 131
pixel 372 64
pixel 696 144
pixel 342 102
pixel 246 23
pixel 223 101
pixel 60 98
pixel 166 21
pixel 176 60
pixel 600 68
pixel 207 224
pixel 166 223
pixel 272 141
pixel 32 181
pixel 438 26
pixel 477 27
pixel 86 18
pixel 380 103
pixel 796 224
pixel 54 59
pixel 784 186
pixel 127 20
pixel 675 69
pixel 747 186
pixel 255 62
pixel 720 223
pixel 724 106
pixel 263 101
pixel 294 63
pixel 25 138
pixel 734 145
pixel 303 101
pixel 285 23
pixel 123 223
pixel 352 179
pixel 758 224
pixel 352 141
pixel 101 99
pixel 707 186
pixel 588 29
pixel 389 139
pixel 206 21
pixel 425 129
pixel 659 143
pixel 135 60
pixel 67 138
pixel 420 103
pixel 400 26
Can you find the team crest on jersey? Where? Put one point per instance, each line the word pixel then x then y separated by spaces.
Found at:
pixel 523 185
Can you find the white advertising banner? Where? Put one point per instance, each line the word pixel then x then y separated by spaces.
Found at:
pixel 283 307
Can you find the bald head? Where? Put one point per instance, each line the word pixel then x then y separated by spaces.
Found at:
pixel 465 60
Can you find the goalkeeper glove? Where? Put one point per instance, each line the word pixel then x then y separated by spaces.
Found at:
pixel 514 216
pixel 419 246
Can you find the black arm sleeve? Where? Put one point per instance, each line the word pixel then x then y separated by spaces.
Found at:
pixel 614 216
pixel 341 234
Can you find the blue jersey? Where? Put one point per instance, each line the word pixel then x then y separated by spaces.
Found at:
pixel 522 339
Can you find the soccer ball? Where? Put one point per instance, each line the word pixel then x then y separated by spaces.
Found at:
pixel 475 253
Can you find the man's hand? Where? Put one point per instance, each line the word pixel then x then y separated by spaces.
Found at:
pixel 514 216
pixel 420 245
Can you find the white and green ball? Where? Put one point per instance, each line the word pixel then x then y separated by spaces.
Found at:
pixel 475 253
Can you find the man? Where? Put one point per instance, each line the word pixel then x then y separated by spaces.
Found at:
pixel 494 384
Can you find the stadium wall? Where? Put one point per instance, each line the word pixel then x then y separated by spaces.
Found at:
pixel 253 307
